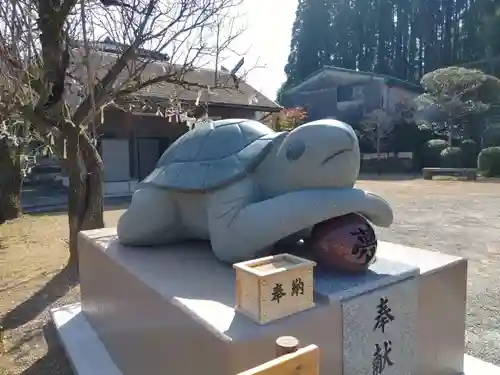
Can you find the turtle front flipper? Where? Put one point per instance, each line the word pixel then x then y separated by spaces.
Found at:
pixel 151 219
pixel 240 229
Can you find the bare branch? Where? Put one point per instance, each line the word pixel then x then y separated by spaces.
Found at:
pixel 175 37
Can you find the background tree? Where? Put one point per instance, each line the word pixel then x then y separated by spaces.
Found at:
pixel 289 118
pixel 185 29
pixel 311 36
pixel 16 135
pixel 402 38
pixel 457 101
pixel 377 127
pixel 386 130
pixel 15 140
pixel 280 91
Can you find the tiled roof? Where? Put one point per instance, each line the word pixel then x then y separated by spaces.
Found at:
pixel 245 95
pixel 388 80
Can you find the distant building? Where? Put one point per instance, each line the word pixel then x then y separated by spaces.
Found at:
pixel 347 94
pixel 131 143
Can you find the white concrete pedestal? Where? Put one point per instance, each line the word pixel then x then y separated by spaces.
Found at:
pixel 152 311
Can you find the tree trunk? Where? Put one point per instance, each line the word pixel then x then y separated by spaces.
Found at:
pixel 85 196
pixel 450 134
pixel 379 135
pixel 10 182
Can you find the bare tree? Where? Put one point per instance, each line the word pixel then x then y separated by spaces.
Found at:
pixel 68 105
pixel 378 126
pixel 16 135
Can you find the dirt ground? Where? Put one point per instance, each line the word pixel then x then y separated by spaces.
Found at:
pixel 461 218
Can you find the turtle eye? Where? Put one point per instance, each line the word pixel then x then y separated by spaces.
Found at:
pixel 295 150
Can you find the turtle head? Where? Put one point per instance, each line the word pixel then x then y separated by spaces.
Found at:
pixel 319 154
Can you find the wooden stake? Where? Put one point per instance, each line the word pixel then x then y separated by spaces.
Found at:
pixel 286 345
pixel 304 361
pixel 1 340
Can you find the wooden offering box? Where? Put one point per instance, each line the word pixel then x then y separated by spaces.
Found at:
pixel 273 287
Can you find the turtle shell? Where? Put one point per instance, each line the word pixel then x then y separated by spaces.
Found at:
pixel 212 155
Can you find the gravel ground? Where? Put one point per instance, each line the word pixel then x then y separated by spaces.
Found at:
pixel 461 218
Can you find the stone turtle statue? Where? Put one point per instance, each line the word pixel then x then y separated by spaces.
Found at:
pixel 245 187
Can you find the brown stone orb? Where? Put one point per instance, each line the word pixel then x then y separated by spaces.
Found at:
pixel 345 243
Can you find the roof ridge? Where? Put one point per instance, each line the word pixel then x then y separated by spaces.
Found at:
pixel 389 80
pixel 224 96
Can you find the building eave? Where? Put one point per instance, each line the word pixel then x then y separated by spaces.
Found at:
pixel 253 107
pixel 388 80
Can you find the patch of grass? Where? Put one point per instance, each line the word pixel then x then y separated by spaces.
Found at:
pixel 33 278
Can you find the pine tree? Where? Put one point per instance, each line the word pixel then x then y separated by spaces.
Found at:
pixel 402 38
pixel 310 39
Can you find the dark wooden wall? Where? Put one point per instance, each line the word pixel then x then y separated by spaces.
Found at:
pixel 149 136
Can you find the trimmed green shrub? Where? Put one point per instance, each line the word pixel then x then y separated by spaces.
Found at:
pixel 407 137
pixel 419 152
pixel 470 150
pixel 432 152
pixel 451 157
pixel 491 137
pixel 488 162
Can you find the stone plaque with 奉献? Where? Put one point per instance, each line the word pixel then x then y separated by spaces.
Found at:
pixel 379 331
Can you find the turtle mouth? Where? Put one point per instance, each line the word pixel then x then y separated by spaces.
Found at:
pixel 334 155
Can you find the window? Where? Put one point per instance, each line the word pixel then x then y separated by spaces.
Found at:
pixel 349 93
pixel 344 93
pixel 357 92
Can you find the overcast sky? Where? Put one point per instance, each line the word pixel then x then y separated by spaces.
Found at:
pixel 269 26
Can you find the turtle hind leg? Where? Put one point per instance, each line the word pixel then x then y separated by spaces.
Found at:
pixel 151 219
